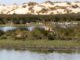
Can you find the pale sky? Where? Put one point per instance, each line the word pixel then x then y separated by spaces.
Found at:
pixel 24 1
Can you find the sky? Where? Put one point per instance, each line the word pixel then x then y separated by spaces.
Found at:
pixel 8 2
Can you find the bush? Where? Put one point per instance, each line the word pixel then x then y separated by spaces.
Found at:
pixel 38 33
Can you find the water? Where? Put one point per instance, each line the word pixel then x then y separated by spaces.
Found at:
pixel 6 28
pixel 28 55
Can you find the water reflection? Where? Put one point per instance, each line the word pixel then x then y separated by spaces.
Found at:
pixel 28 55
pixel 6 28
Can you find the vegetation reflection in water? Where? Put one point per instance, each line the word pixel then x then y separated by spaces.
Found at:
pixel 28 55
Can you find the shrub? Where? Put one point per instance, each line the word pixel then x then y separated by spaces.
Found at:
pixel 38 33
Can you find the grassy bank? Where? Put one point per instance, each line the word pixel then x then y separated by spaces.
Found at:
pixel 40 44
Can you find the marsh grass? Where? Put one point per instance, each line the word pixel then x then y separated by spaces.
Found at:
pixel 39 44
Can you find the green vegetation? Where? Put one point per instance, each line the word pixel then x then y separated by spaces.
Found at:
pixel 40 44
pixel 55 37
pixel 23 19
pixel 59 33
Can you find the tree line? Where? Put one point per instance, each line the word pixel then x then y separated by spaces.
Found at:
pixel 27 18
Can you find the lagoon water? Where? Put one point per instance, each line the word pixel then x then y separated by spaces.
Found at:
pixel 6 28
pixel 28 55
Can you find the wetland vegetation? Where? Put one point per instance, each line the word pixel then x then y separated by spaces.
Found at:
pixel 48 31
